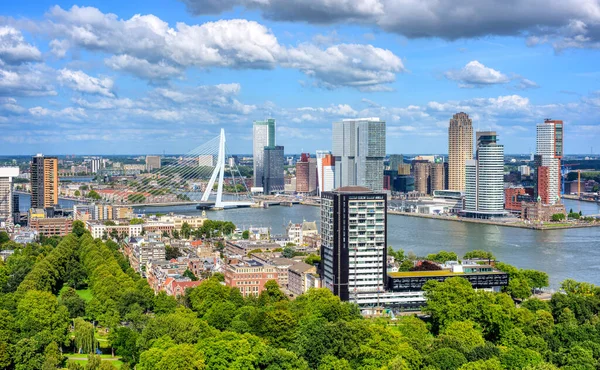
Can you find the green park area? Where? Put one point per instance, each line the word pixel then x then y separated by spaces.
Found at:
pixel 63 300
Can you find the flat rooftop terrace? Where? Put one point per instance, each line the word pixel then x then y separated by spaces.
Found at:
pixel 438 273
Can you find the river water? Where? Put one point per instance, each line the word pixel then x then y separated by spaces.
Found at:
pixel 570 253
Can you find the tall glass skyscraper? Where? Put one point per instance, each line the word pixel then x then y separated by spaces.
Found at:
pixel 359 151
pixel 272 178
pixel 263 136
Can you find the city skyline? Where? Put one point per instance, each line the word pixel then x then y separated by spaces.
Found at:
pixel 73 82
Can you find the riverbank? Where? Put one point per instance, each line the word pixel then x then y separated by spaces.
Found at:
pixel 576 197
pixel 520 225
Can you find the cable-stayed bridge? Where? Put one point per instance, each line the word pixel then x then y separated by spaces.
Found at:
pixel 202 176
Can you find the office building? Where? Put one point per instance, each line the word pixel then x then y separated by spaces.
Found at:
pixel 404 183
pixel 249 276
pixel 96 164
pixel 395 161
pixel 460 149
pixel 232 161
pixel 353 242
pixel 359 151
pixel 59 226
pixel 404 169
pixel 206 160
pixel 484 193
pixel 513 197
pixel 152 162
pixel 320 155
pixel 437 177
pixel 306 174
pixel 422 171
pixel 263 135
pixel 272 174
pixel 525 170
pixel 44 181
pixel 6 193
pixel 549 151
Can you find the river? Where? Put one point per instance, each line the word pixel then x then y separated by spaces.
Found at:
pixel 570 253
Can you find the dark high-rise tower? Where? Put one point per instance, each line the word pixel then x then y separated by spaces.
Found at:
pixel 353 242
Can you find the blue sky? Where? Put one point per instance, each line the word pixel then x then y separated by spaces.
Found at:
pixel 147 77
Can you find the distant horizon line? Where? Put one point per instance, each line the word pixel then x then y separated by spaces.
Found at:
pixel 250 154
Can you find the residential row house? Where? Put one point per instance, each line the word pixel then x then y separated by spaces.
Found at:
pixel 298 232
pixel 98 229
pixel 302 277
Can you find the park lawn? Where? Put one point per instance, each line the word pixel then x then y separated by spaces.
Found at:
pixel 102 339
pixel 81 359
pixel 85 294
pixel 562 224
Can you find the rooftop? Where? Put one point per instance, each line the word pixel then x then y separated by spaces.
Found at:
pixel 353 189
pixel 438 273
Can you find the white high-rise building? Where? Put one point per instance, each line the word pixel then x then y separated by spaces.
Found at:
pixel 263 135
pixel 353 242
pixel 206 160
pixel 328 175
pixel 484 192
pixel 96 164
pixel 320 155
pixel 6 195
pixel 359 151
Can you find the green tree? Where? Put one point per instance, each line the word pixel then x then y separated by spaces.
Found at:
pixel 446 359
pixel 536 279
pixel 330 362
pixel 398 255
pixel 186 230
pixel 462 335
pixel 124 340
pixel 73 302
pixel 246 234
pixel 40 317
pixel 491 364
pixel 93 195
pixel 52 357
pixel 478 253
pixel 79 228
pixel 136 221
pixel 442 256
pixel 558 217
pixel 84 334
pixel 164 304
pixel 172 253
pixel 519 288
pixel 28 354
pixel 288 252
pixel 189 274
pixel 312 259
pixel 77 193
pixel 4 238
pixel 178 357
